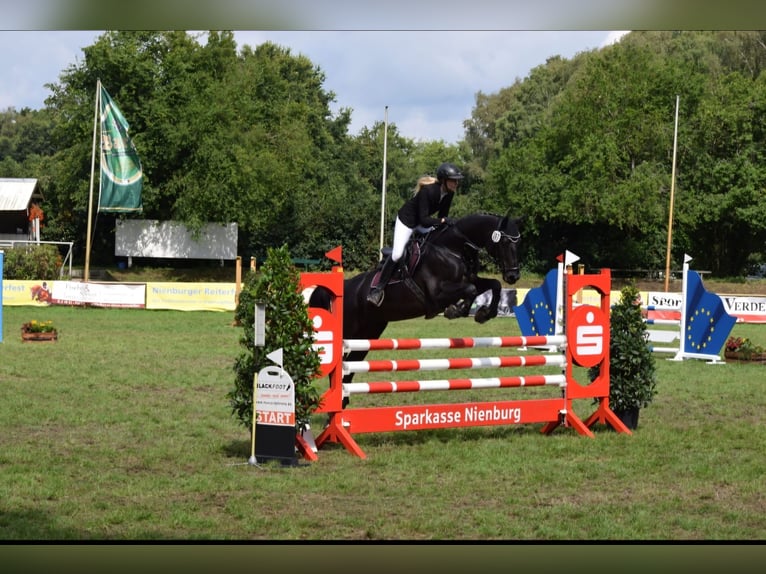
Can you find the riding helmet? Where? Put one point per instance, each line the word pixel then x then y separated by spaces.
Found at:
pixel 448 171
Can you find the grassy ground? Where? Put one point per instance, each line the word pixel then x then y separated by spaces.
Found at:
pixel 121 431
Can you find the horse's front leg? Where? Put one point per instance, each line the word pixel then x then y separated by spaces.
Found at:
pixel 487 312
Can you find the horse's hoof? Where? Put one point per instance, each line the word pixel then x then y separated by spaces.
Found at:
pixel 451 312
pixel 482 315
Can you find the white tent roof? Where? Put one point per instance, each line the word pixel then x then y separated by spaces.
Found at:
pixel 16 193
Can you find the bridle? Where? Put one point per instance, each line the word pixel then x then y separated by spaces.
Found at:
pixel 499 237
pixel 496 239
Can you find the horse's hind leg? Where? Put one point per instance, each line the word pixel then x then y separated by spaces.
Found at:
pixel 457 310
pixel 456 299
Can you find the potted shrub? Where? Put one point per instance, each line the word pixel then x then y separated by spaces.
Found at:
pixel 632 370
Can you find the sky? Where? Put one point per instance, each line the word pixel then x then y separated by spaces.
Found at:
pixel 424 82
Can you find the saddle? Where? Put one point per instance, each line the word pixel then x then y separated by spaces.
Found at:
pixel 412 254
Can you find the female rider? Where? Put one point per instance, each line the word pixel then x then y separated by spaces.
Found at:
pixel 431 196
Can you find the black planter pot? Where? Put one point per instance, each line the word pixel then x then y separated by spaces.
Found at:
pixel 629 417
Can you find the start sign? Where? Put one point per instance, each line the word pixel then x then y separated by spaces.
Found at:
pixel 275 415
pixel 275 397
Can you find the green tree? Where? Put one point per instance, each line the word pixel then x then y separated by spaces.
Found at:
pixel 288 327
pixel 722 183
pixel 224 136
pixel 632 369
pixel 583 147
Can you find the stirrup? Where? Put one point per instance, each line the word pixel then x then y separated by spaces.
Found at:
pixel 375 296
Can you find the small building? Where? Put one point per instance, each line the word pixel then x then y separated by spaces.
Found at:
pixel 18 203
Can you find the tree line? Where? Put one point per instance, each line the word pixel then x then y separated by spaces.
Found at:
pixel 582 147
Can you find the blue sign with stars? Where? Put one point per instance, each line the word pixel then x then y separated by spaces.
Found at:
pixel 707 323
pixel 537 314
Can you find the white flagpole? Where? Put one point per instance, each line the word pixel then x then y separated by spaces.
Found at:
pixel 383 189
pixel 86 274
pixel 672 191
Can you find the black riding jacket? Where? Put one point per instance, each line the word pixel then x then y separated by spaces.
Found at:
pixel 418 209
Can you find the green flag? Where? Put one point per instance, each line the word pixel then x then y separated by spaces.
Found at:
pixel 121 175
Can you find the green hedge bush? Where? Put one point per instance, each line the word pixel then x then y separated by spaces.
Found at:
pixel 632 369
pixel 288 326
pixel 35 262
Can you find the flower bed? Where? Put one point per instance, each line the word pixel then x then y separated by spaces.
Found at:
pixel 743 349
pixel 39 331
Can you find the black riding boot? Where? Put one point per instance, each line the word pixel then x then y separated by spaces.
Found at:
pixel 376 293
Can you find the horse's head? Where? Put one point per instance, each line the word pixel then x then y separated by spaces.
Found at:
pixel 503 247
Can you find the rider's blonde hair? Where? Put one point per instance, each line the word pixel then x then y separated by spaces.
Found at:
pixel 423 181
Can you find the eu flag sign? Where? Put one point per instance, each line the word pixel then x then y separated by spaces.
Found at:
pixel 707 322
pixel 537 313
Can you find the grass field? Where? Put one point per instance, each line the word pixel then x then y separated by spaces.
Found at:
pixel 121 430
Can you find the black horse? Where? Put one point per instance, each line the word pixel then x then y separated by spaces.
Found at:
pixel 443 280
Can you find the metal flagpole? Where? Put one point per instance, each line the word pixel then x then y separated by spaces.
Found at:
pixel 383 189
pixel 672 191
pixel 86 274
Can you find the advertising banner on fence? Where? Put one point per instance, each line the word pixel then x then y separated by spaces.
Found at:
pixel 98 294
pixel 191 296
pixel 43 293
pixel 222 297
pixel 745 309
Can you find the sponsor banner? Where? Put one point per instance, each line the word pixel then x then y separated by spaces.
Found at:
pixel 745 309
pixel 98 294
pixel 43 293
pixel 222 297
pixel 661 299
pixel 17 292
pixel 329 349
pixel 191 296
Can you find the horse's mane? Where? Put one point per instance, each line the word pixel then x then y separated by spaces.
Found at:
pixel 482 214
pixel 478 215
